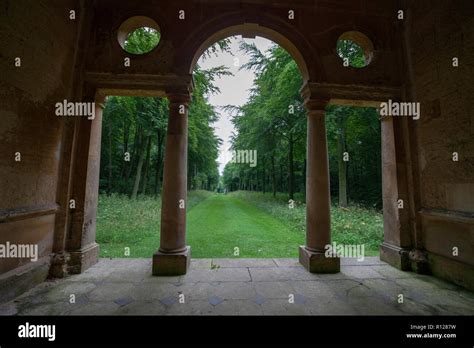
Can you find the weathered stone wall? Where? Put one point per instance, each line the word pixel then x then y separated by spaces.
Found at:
pixel 314 32
pixel 43 36
pixel 438 31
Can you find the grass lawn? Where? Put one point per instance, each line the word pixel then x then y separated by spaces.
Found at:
pixel 256 223
pixel 222 222
pixel 135 224
pixel 352 225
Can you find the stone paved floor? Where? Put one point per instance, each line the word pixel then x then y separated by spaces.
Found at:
pixel 243 286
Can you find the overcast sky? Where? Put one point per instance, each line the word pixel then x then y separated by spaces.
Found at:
pixel 234 89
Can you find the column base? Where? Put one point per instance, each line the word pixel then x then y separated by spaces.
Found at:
pixel 59 265
pixel 171 264
pixel 316 262
pixel 82 259
pixel 395 256
pixel 419 261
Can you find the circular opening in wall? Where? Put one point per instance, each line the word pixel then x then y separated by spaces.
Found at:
pixel 355 49
pixel 139 35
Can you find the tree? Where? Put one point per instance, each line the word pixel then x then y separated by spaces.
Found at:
pixel 136 130
pixel 273 120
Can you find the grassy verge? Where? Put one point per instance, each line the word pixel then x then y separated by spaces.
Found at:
pixel 135 224
pixel 354 225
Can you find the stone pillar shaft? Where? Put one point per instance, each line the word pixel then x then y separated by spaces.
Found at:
pixel 81 246
pixel 318 204
pixel 173 211
pixel 396 245
pixel 318 200
pixel 389 183
pixel 173 256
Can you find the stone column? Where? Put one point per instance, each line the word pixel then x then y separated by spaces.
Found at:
pixel 396 245
pixel 318 201
pixel 174 256
pixel 81 246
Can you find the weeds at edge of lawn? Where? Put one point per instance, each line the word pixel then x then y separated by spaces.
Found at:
pixel 123 222
pixel 353 225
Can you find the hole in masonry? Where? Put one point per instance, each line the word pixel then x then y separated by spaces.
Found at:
pixel 139 35
pixel 355 49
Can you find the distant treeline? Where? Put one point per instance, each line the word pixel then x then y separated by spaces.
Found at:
pixel 273 122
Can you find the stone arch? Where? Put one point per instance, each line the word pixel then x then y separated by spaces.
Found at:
pixel 252 30
pixel 273 28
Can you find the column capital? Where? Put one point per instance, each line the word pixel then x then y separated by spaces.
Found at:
pixel 312 98
pixel 179 97
pixel 180 92
pixel 316 105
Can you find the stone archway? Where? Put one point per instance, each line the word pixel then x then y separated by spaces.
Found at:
pixel 251 30
pixel 173 79
pixel 174 255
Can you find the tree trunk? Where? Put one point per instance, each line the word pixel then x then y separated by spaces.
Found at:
pixel 159 159
pixel 342 165
pixel 196 186
pixel 273 175
pixel 291 169
pixel 147 165
pixel 138 175
pixel 109 187
pixel 281 178
pixel 136 147
pixel 126 137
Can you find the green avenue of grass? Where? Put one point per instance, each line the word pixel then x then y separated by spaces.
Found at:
pixel 222 223
pixel 257 224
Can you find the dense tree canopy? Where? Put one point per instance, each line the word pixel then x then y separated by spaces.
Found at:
pixel 273 122
pixel 134 135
